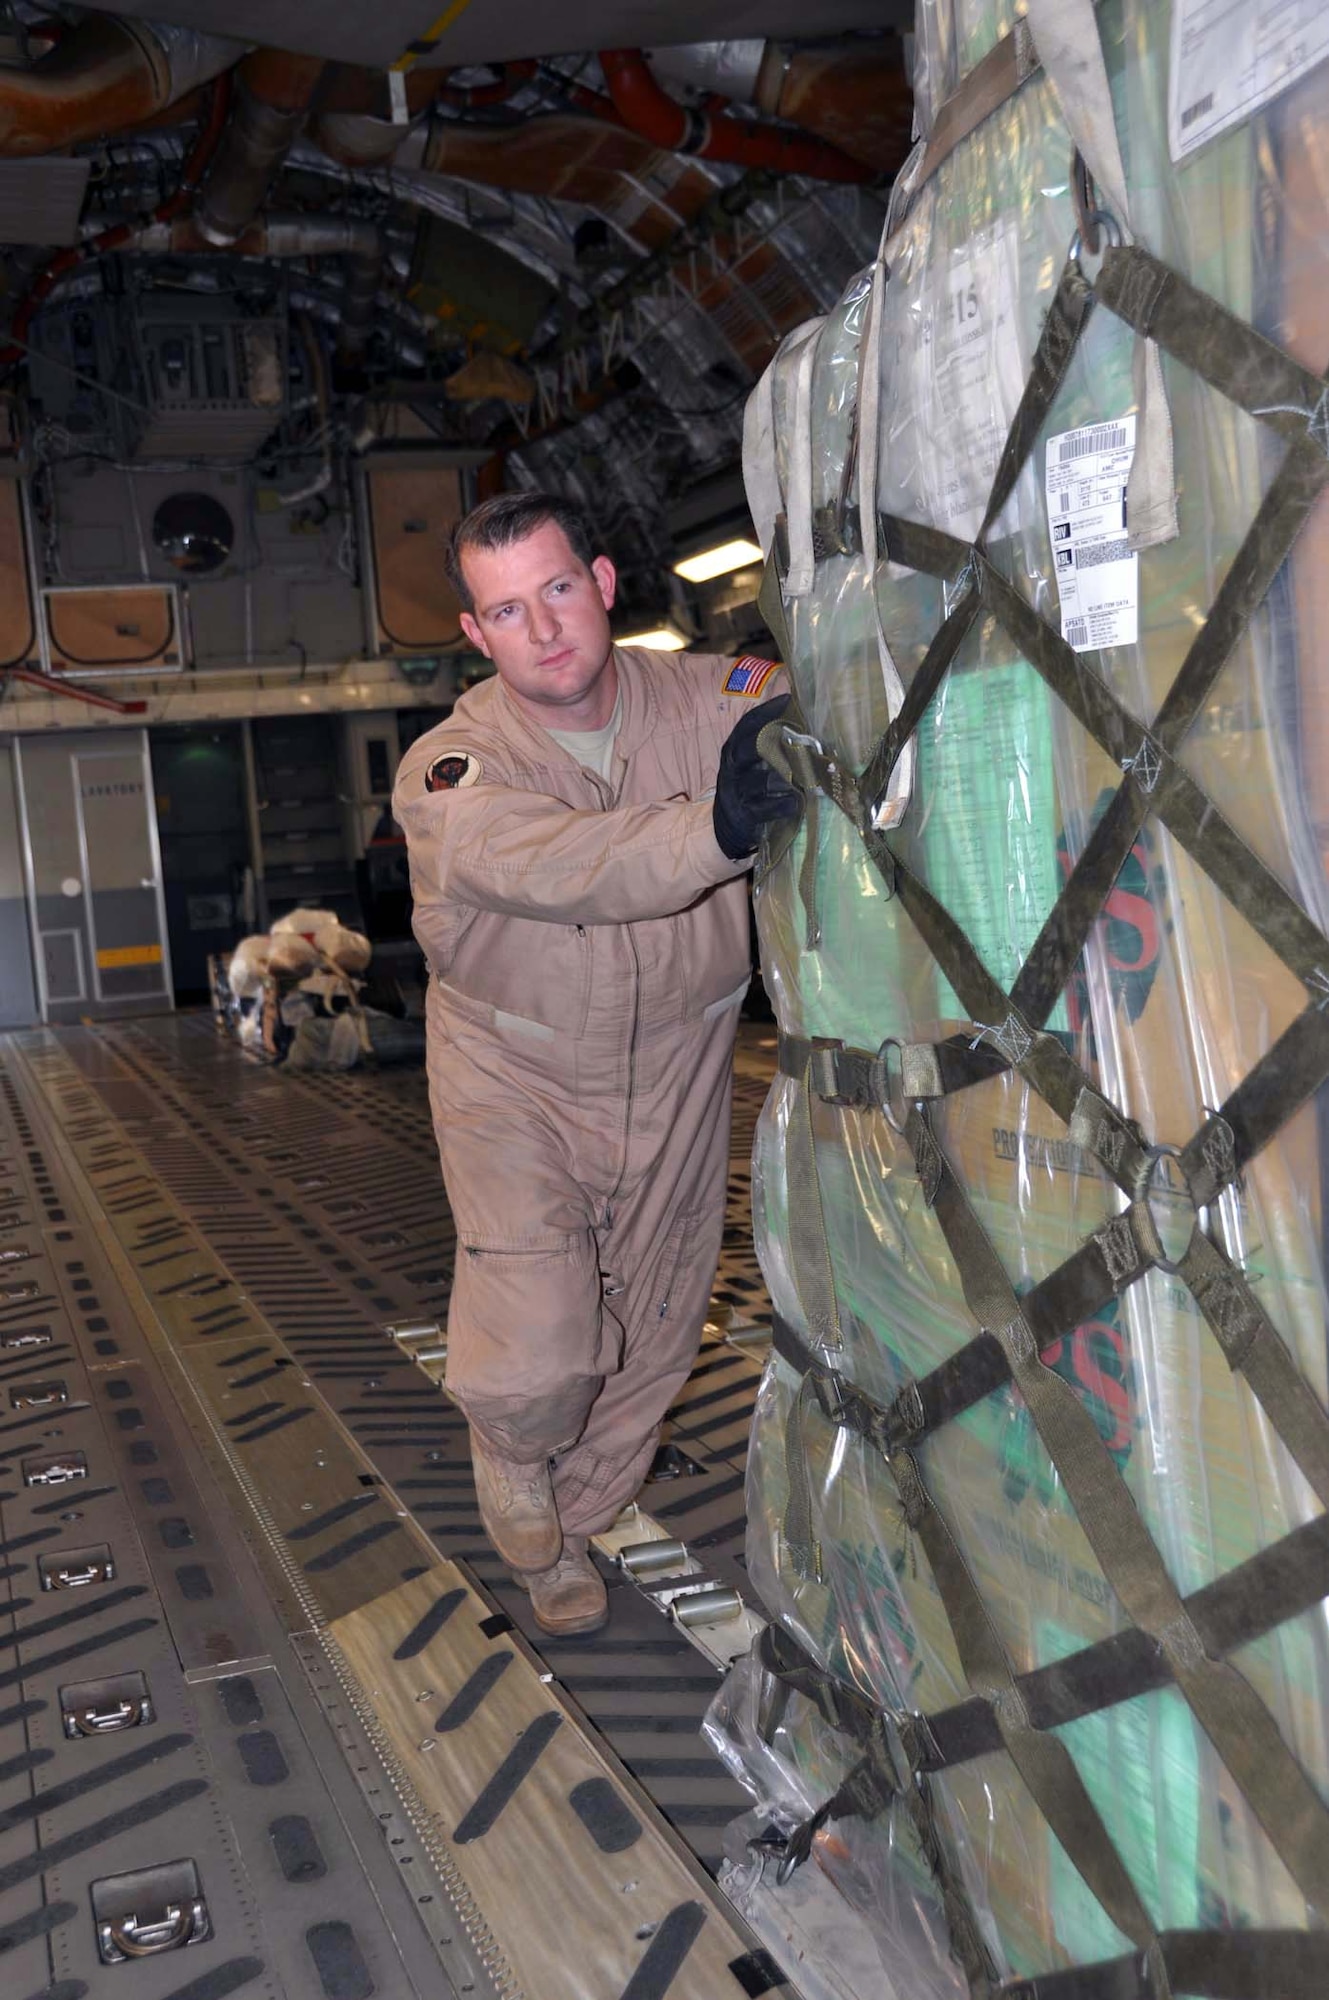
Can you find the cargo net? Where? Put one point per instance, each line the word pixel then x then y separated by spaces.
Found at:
pixel 1173 1640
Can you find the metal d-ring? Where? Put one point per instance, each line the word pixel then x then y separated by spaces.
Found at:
pixel 1100 218
pixel 897 1125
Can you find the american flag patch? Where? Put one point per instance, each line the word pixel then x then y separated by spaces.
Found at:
pixel 749 677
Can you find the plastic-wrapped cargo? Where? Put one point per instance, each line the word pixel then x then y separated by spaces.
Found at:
pixel 1039 1472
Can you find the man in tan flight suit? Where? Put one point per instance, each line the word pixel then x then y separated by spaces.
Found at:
pixel 578 830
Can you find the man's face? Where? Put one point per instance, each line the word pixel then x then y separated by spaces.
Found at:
pixel 542 617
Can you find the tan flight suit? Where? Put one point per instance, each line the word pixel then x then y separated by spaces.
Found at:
pixel 590 948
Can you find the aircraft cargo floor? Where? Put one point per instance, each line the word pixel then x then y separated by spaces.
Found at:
pixel 238 1534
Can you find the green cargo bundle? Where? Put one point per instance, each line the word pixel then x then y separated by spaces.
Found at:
pixel 1041 1462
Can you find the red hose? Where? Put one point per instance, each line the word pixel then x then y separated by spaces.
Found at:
pixel 655 115
pixel 191 173
pixel 50 685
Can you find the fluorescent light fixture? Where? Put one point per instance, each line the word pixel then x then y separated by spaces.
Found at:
pixel 721 560
pixel 661 639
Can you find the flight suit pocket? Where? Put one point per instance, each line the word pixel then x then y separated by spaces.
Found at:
pixel 672 1272
pixel 523 1332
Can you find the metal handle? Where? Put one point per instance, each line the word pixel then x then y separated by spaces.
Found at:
pixel 101 1721
pixel 74 1579
pixel 37 1399
pixel 167 1932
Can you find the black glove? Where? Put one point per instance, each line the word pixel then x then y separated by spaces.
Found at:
pixel 749 795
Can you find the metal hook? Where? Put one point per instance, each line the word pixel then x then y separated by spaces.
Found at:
pixel 1084 200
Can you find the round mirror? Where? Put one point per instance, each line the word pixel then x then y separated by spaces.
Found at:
pixel 194 532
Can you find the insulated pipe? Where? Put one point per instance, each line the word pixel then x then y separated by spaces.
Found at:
pixel 855 95
pixel 357 139
pixel 103 75
pixel 115 238
pixel 273 95
pixel 650 111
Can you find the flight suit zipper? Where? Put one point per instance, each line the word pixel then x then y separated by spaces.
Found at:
pixel 632 1060
pixel 607 801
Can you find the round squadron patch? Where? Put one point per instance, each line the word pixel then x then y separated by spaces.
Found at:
pixel 451 773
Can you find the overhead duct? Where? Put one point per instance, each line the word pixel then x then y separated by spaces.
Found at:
pixel 649 109
pixel 574 159
pixel 104 75
pixel 273 95
pixel 360 243
pixel 357 139
pixel 856 95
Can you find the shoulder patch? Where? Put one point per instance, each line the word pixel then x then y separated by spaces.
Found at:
pixel 451 773
pixel 748 677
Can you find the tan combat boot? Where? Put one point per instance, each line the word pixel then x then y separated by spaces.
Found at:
pixel 517 1507
pixel 571 1596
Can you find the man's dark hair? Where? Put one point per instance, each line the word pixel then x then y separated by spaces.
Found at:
pixel 511 517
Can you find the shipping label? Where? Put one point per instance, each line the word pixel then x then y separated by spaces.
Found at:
pixel 1229 57
pixel 1097 574
pixel 967 374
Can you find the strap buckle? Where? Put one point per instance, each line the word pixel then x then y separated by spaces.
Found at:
pixel 842 1077
pixel 832 1392
pixel 882 1081
pixel 824 1069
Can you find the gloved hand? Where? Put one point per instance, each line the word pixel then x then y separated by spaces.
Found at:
pixel 749 795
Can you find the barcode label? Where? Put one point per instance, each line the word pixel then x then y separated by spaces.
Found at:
pixel 1090 554
pixel 1075 632
pixel 1197 110
pixel 1103 437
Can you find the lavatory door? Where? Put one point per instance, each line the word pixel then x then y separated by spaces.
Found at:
pixel 94 875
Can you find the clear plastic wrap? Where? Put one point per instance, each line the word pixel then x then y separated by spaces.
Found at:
pixel 1174 1002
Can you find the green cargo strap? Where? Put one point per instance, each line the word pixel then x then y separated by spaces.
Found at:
pixel 842 1074
pixel 809 1249
pixel 798 1533
pixel 1281 1582
pixel 1106 1263
pixel 1044 1763
pixel 1223 1702
pixel 1282 1080
pixel 1039 1056
pixel 1284 1581
pixel 857 1718
pixel 1204 336
pixel 931 671
pixel 1067 316
pixel 770 603
pixel 864 1793
pixel 1153 781
pixel 1254 1349
pixel 807 874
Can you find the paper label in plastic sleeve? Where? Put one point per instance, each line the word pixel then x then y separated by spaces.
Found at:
pixel 1231 56
pixel 1098 576
pixel 968 374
